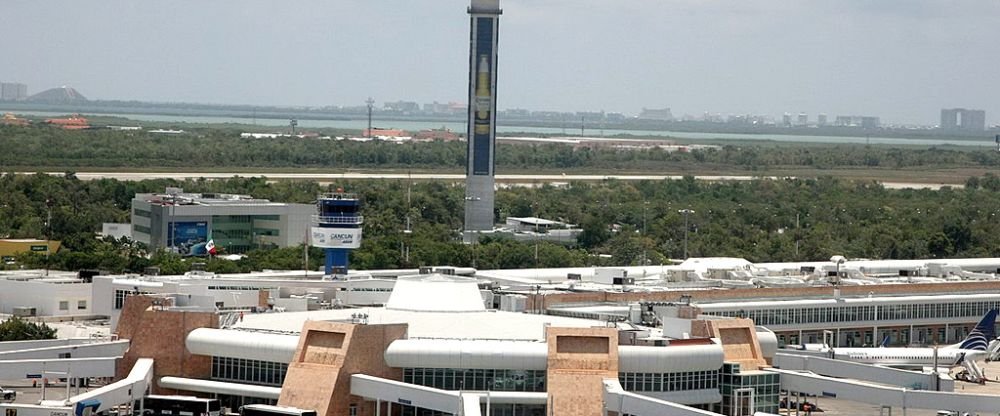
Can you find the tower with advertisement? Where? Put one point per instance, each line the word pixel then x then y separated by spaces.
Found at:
pixel 480 182
pixel 337 229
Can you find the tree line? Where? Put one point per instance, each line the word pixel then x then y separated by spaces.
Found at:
pixel 27 148
pixel 623 222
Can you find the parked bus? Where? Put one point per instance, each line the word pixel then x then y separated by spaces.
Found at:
pixel 268 410
pixel 179 406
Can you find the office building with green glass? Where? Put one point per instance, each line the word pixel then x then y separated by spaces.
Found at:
pixel 186 222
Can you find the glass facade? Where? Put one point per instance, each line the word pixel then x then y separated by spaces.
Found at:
pixel 693 380
pixel 240 233
pixel 234 232
pixel 496 409
pixel 476 379
pixel 482 380
pixel 843 315
pixel 747 393
pixel 240 370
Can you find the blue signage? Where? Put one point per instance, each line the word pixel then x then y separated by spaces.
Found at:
pixel 186 235
pixel 481 137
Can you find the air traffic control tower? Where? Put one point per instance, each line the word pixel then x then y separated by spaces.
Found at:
pixel 479 179
pixel 338 229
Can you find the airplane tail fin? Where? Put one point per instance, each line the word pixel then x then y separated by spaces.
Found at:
pixel 984 332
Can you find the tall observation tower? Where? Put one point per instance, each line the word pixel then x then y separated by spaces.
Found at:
pixel 479 179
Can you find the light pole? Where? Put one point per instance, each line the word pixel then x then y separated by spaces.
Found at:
pixel 686 212
pixel 371 104
pixel 48 233
pixel 645 205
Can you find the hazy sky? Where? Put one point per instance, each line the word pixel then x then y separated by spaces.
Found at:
pixel 900 59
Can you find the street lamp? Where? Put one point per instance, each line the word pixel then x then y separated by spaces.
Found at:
pixel 686 212
pixel 645 205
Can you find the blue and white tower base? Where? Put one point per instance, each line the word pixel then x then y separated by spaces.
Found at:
pixel 338 229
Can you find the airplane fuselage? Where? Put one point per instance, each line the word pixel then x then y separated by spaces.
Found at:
pixel 908 357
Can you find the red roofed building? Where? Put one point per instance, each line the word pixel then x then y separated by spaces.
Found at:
pixel 12 120
pixel 377 132
pixel 434 134
pixel 74 122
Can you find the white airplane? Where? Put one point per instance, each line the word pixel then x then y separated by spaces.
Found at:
pixel 977 347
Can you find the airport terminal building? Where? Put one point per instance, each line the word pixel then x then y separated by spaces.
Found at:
pixel 435 339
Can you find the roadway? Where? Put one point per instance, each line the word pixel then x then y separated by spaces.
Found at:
pixel 452 177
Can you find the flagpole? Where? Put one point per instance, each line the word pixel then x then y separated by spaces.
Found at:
pixel 305 251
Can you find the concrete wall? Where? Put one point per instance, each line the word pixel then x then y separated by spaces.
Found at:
pixel 160 334
pixel 739 340
pixel 579 361
pixel 46 297
pixel 329 353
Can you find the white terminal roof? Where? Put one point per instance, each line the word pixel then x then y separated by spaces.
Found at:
pixel 456 325
pixel 434 306
pixel 422 292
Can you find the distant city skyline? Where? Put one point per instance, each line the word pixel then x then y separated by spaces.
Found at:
pixel 901 61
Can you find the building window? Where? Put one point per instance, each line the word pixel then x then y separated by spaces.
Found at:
pixel 64 305
pixel 352 410
pixel 122 294
pixel 141 229
pixel 695 380
pixel 251 371
pixel 81 304
pixel 477 379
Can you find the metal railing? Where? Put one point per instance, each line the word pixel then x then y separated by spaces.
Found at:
pixel 354 219
pixel 338 195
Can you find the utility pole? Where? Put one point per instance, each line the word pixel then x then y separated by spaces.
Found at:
pixel 371 104
pixel 305 251
pixel 686 213
pixel 645 205
pixel 404 248
pixel 48 234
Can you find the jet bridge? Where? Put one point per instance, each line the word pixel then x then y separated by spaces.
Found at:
pixel 72 367
pixel 42 350
pixel 119 393
pixel 864 392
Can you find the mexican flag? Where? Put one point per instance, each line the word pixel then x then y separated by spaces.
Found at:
pixel 210 247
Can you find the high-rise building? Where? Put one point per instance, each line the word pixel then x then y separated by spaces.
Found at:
pixel 963 119
pixel 786 120
pixel 480 181
pixel 821 120
pixel 13 91
pixel 867 122
pixel 661 114
pixel 803 119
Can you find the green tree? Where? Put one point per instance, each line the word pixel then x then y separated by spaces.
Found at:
pixel 17 329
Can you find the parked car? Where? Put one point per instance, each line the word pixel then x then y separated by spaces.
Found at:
pixel 7 396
